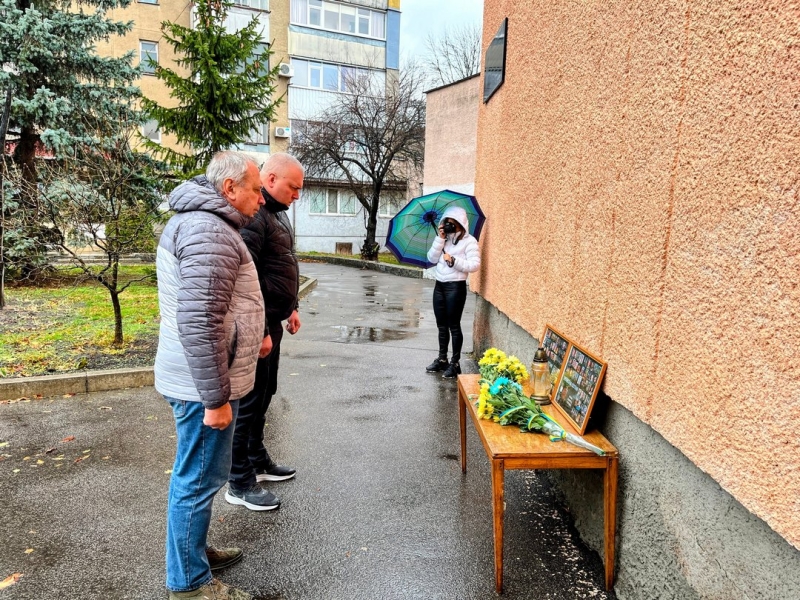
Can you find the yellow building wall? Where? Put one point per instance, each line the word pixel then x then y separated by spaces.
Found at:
pixel 147 20
pixel 640 173
pixel 279 26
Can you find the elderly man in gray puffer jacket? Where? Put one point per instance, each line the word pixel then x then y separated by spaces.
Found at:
pixel 212 327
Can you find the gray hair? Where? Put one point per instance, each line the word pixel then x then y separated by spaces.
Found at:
pixel 228 165
pixel 279 162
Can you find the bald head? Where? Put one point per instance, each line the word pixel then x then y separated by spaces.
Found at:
pixel 280 163
pixel 282 177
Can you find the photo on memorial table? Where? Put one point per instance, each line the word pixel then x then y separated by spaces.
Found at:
pixel 555 346
pixel 578 385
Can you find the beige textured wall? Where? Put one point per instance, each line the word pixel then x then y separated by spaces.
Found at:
pixel 451 116
pixel 640 169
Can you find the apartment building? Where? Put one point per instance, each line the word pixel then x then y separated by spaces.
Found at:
pixel 318 45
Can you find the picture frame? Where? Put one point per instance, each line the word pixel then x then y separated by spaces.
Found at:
pixel 577 387
pixel 555 345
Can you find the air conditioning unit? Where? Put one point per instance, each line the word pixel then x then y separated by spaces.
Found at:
pixel 283 132
pixel 285 70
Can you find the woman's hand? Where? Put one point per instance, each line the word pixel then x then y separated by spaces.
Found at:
pixel 441 232
pixel 448 259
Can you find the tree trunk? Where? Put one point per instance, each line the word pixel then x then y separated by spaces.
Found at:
pixel 369 251
pixel 113 286
pixel 3 129
pixel 117 343
pixel 25 157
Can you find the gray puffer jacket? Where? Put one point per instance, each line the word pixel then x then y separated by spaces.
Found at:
pixel 212 313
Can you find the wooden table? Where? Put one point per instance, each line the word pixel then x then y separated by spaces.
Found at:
pixel 508 448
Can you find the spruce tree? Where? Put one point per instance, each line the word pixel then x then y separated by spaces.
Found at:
pixel 61 89
pixel 226 93
pixel 63 95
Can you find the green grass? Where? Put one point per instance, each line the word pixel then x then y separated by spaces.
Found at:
pixel 384 257
pixel 67 324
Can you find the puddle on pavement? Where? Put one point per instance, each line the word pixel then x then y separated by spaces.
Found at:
pixel 361 335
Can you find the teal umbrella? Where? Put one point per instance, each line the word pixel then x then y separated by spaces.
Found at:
pixel 412 230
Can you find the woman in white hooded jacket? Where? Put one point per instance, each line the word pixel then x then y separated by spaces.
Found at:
pixel 456 254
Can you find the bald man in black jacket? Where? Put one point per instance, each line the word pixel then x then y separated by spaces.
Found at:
pixel 270 240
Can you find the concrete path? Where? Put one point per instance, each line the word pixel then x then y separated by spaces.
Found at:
pixel 379 508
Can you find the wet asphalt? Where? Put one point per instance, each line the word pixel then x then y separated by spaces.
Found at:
pixel 379 508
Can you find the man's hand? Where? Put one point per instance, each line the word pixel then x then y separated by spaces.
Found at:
pixel 293 324
pixel 218 418
pixel 266 347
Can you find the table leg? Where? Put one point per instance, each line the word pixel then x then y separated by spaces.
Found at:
pixel 610 509
pixel 498 507
pixel 462 421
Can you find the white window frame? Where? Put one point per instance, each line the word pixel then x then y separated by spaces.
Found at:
pixel 384 206
pixel 143 64
pixel 254 4
pixel 326 199
pixel 157 133
pixel 367 14
pixel 261 137
pixel 319 67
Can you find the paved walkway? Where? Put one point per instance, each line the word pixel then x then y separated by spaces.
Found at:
pixel 379 509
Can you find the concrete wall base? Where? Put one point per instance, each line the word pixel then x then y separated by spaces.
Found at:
pixel 680 535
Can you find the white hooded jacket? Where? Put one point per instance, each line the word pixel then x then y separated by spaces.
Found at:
pixel 465 251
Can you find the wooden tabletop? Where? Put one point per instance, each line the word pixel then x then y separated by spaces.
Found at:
pixel 507 441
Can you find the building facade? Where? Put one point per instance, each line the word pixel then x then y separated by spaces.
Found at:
pixel 317 44
pixel 646 157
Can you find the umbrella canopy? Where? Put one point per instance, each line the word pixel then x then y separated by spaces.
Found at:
pixel 412 230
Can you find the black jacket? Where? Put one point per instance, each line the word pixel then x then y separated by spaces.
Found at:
pixel 270 239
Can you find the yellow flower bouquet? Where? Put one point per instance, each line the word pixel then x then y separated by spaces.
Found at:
pixel 503 400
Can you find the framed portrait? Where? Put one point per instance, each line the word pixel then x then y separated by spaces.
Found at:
pixel 575 393
pixel 555 346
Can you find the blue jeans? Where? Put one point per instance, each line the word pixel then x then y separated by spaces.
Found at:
pixel 202 462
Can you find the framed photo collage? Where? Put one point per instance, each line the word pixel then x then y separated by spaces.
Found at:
pixel 577 376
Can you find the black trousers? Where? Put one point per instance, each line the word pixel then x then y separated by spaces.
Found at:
pixel 249 452
pixel 449 298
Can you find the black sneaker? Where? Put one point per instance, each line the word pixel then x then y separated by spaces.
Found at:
pixel 275 473
pixel 440 364
pixel 254 498
pixel 453 370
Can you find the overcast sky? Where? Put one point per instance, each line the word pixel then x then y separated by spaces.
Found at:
pixel 418 18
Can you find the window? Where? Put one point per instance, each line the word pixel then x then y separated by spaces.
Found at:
pixel 333 16
pixel 331 12
pixel 315 13
pixel 151 131
pixel 363 21
pixel 347 22
pixel 334 78
pixel 257 4
pixel 331 201
pixel 148 51
pixel 389 204
pixel 330 77
pixel 258 135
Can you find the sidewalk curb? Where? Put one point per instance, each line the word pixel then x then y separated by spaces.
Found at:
pixel 399 270
pixel 90 381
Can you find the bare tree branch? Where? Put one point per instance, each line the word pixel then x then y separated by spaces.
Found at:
pixel 453 55
pixel 370 139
